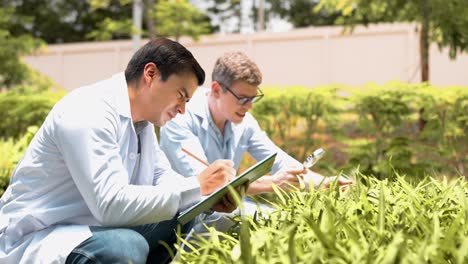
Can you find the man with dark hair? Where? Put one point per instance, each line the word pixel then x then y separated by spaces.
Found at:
pixel 93 185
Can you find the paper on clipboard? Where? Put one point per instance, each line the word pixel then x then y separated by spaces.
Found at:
pixel 253 173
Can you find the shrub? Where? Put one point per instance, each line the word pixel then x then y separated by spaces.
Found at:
pixel 374 221
pixel 375 127
pixel 19 110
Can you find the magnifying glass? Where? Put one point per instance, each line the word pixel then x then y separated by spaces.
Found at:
pixel 313 158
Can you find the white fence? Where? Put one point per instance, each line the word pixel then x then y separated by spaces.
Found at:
pixel 309 57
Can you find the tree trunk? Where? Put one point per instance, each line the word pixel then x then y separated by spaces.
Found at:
pixel 239 15
pixel 137 19
pixel 178 29
pixel 149 4
pixel 424 52
pixel 261 16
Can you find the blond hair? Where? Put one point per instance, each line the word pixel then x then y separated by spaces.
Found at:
pixel 236 66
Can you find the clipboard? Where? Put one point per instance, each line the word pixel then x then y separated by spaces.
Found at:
pixel 251 174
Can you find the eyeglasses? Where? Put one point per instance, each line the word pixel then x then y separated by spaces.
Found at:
pixel 245 100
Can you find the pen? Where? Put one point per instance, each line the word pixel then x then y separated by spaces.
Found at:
pixel 195 157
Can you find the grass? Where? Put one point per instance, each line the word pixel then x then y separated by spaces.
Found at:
pixel 389 221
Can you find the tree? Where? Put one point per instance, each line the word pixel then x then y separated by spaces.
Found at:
pixel 222 10
pixel 175 18
pixel 444 22
pixel 149 20
pixel 171 18
pixel 12 70
pixel 301 13
pixel 62 21
pixel 112 27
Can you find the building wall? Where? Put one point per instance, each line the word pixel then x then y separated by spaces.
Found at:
pixel 309 57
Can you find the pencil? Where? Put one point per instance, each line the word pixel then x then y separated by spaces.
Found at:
pixel 195 157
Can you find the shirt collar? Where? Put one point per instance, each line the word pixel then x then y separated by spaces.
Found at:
pixel 121 92
pixel 198 105
pixel 123 100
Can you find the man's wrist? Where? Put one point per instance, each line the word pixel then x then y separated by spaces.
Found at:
pixel 262 185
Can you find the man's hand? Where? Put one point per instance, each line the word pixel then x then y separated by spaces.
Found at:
pixel 216 175
pixel 342 182
pixel 324 182
pixel 286 179
pixel 227 205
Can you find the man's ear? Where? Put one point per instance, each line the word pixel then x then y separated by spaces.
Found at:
pixel 216 89
pixel 150 72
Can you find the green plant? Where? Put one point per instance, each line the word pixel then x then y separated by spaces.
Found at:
pixel 446 112
pixel 178 18
pixel 275 112
pixel 284 110
pixel 375 127
pixel 374 221
pixel 313 106
pixel 267 112
pixel 12 70
pixel 20 109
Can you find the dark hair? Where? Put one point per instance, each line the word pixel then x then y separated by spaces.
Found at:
pixel 169 56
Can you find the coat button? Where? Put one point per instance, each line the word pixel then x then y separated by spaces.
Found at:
pixel 132 156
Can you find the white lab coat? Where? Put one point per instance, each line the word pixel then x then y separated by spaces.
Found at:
pixel 77 172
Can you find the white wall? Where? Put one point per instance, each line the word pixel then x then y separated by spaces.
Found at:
pixel 309 57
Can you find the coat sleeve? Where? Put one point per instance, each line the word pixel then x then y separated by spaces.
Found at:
pixel 88 141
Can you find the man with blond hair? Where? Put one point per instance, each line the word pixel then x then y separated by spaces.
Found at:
pixel 218 126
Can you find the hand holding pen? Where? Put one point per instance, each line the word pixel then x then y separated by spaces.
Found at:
pixel 213 177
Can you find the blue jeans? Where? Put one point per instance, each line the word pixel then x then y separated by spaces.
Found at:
pixel 140 244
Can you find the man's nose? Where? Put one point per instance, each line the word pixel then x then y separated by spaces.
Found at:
pixel 181 108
